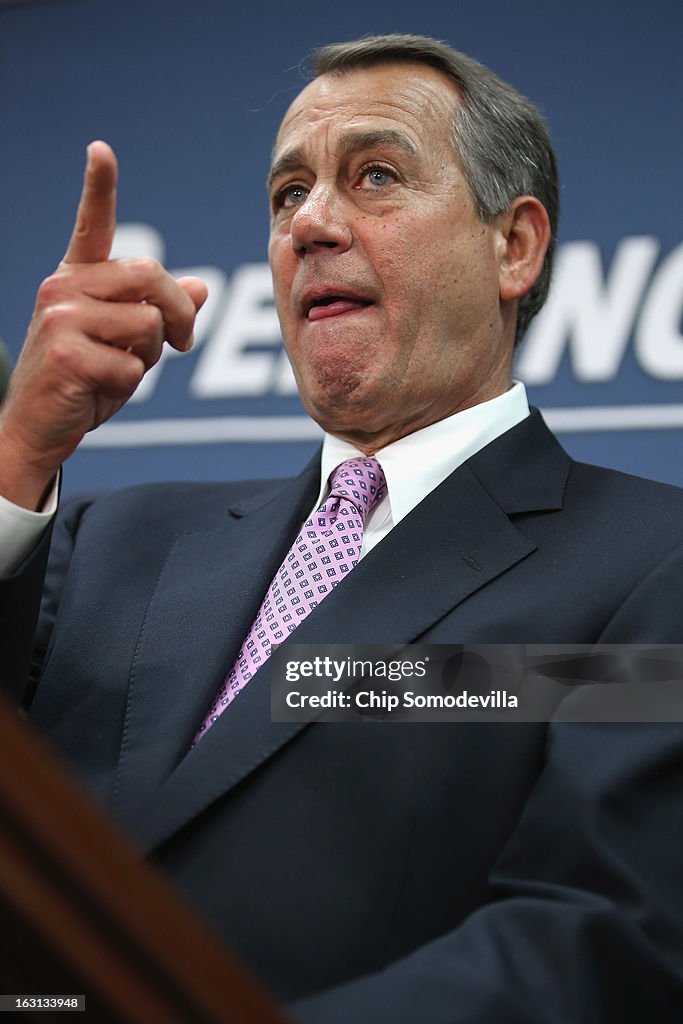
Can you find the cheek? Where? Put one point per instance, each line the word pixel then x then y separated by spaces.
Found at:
pixel 406 277
pixel 419 294
pixel 282 260
pixel 415 263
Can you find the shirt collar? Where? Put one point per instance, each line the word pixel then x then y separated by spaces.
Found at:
pixel 417 463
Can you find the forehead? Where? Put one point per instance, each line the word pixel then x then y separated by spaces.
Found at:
pixel 416 99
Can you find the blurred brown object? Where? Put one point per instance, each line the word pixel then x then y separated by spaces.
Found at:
pixel 80 913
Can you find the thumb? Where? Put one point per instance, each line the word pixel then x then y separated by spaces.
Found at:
pixel 195 288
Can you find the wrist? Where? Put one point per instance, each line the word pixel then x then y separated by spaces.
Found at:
pixel 24 480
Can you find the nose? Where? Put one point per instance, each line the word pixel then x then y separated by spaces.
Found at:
pixel 319 224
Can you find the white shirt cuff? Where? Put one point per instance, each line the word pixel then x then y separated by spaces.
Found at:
pixel 21 529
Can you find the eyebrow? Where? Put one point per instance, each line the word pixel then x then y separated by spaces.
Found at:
pixel 351 142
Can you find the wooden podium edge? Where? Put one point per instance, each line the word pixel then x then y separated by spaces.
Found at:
pixel 82 892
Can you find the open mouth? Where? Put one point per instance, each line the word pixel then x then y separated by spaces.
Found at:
pixel 335 305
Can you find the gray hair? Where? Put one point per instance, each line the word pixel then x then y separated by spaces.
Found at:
pixel 500 136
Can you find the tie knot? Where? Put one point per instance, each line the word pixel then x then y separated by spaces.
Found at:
pixel 360 481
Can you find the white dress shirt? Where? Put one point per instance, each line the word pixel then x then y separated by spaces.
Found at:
pixel 416 464
pixel 21 529
pixel 413 466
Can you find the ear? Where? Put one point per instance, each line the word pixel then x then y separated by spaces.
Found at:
pixel 525 234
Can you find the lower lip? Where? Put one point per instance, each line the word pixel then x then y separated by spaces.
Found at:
pixel 336 309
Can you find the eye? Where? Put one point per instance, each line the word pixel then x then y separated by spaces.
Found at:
pixel 290 195
pixel 377 176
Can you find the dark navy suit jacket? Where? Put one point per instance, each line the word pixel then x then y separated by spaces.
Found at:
pixel 480 873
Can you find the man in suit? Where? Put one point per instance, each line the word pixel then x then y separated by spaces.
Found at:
pixel 478 872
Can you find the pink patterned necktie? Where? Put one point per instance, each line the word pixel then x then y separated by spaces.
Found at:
pixel 327 548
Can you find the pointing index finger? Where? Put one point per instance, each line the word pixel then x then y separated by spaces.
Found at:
pixel 93 231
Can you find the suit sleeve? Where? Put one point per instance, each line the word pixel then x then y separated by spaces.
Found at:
pixel 19 605
pixel 585 919
pixel 29 599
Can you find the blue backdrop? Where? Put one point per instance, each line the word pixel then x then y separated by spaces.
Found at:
pixel 190 95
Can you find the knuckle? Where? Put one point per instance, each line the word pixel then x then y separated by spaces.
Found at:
pixel 61 353
pixel 56 315
pixel 81 227
pixel 49 290
pixel 145 266
pixel 152 318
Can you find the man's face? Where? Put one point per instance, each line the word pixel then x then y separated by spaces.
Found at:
pixel 386 281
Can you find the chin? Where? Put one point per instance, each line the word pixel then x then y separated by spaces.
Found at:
pixel 345 418
pixel 333 389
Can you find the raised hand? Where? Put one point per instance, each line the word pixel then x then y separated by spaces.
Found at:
pixel 97 327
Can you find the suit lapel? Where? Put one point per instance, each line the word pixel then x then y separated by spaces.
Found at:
pixel 459 539
pixel 206 597
pixel 453 543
